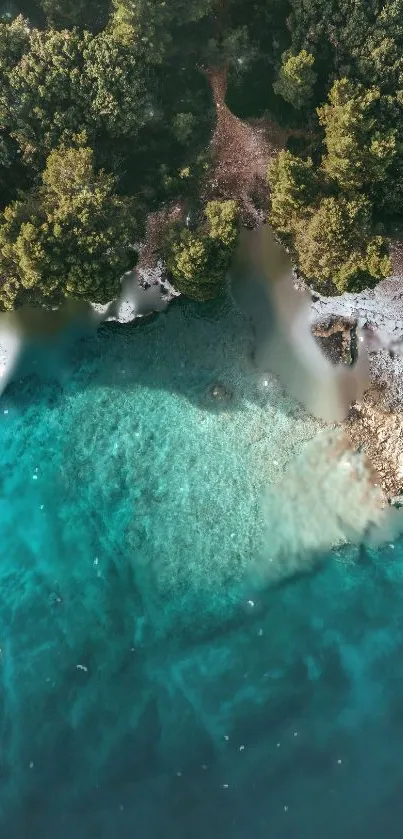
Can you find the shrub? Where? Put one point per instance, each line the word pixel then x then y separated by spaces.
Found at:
pixel 198 260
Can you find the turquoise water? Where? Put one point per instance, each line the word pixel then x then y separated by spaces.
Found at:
pixel 147 689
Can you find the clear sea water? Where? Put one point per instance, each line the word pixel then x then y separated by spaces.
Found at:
pixel 145 691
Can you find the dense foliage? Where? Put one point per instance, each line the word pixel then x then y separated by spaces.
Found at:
pixel 354 153
pixel 198 260
pixel 68 237
pixel 128 77
pixel 296 78
pixel 333 75
pixel 125 74
pixel 329 208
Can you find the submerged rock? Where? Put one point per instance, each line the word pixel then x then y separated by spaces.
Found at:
pixel 221 393
pixel 336 337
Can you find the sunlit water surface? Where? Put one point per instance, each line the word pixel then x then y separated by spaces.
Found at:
pixel 146 692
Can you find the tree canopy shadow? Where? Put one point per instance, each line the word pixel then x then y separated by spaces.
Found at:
pixel 202 352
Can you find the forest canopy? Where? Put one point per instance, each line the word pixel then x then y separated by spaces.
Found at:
pixel 116 94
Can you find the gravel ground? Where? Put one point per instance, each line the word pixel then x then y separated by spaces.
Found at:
pixel 379 313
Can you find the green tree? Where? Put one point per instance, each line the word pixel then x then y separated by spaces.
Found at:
pixel 140 119
pixel 69 238
pixel 198 261
pixel 293 186
pixel 113 84
pixel 44 101
pixel 359 153
pixel 183 126
pixel 336 249
pixel 159 25
pixel 376 47
pixel 14 40
pixel 67 82
pixel 296 78
pixel 222 222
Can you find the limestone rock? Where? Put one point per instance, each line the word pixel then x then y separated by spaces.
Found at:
pixel 337 337
pixel 374 424
pixel 379 433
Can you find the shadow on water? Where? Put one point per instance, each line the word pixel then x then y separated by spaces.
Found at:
pixel 216 354
pixel 281 740
pixel 220 725
pixel 188 350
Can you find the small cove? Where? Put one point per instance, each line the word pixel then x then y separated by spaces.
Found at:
pixel 144 692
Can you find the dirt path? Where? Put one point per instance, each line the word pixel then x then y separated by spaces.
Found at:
pixel 241 152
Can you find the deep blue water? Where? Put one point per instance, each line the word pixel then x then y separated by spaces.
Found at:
pixel 146 691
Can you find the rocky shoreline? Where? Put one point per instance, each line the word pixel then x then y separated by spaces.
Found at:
pixel 374 425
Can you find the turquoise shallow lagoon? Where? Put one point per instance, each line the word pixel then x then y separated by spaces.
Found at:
pixel 146 691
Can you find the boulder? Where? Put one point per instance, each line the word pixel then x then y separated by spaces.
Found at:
pixel 220 392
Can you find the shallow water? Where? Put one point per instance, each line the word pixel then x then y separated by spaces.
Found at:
pixel 145 690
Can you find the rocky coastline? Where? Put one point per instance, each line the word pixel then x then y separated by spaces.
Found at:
pixel 374 425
